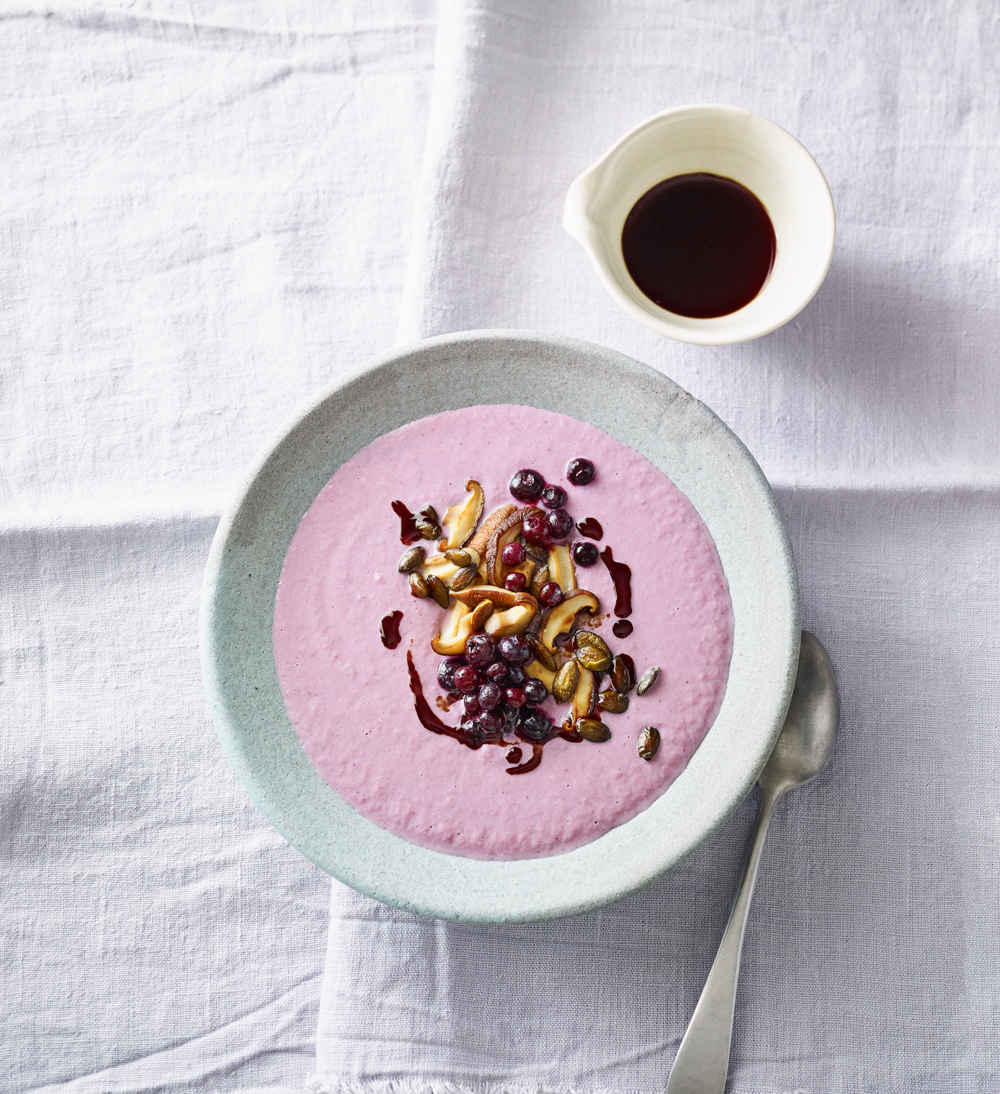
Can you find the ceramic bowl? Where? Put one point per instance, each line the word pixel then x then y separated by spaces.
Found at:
pixel 631 402
pixel 719 140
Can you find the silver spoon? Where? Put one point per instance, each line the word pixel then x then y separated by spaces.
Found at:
pixel 800 754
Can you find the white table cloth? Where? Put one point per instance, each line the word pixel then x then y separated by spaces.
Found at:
pixel 210 210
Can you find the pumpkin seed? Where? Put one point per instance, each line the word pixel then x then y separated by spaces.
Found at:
pixel 622 677
pixel 411 559
pixel 427 529
pixel 649 742
pixel 564 685
pixel 543 653
pixel 418 585
pixel 648 680
pixel 534 552
pixel 591 729
pixel 459 558
pixel 438 590
pixel 463 578
pixel 592 651
pixel 613 702
pixel 538 579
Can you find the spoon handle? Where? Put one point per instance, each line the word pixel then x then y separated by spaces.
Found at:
pixel 702 1061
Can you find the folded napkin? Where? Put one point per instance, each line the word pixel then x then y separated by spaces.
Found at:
pixel 872 948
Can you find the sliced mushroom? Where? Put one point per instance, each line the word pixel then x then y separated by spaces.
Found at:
pixel 538 671
pixel 461 519
pixel 561 568
pixel 561 617
pixel 505 532
pixel 502 598
pixel 455 629
pixel 489 525
pixel 512 621
pixel 585 695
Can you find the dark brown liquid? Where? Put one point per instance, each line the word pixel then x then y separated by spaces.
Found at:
pixel 428 719
pixel 621 575
pixel 536 759
pixel 388 630
pixel 622 629
pixel 408 533
pixel 590 528
pixel 699 245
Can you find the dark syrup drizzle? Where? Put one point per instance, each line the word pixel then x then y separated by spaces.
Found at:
pixel 622 629
pixel 590 528
pixel 536 759
pixel 408 533
pixel 621 575
pixel 388 629
pixel 428 719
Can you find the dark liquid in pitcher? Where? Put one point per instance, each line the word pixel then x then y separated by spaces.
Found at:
pixel 699 245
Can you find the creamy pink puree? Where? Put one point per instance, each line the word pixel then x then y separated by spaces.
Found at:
pixel 349 698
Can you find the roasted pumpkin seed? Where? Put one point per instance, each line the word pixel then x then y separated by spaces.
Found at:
pixel 459 558
pixel 648 680
pixel 438 590
pixel 480 614
pixel 534 552
pixel 591 729
pixel 463 578
pixel 543 653
pixel 418 585
pixel 622 677
pixel 649 742
pixel 564 685
pixel 411 559
pixel 613 702
pixel 592 651
pixel 539 578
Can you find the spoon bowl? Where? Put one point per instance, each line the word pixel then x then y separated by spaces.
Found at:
pixel 810 728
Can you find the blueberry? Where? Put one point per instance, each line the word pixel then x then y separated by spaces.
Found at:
pixel 516 697
pixel 480 650
pixel 536 691
pixel 559 523
pixel 515 582
pixel 553 497
pixel 513 554
pixel 497 671
pixel 446 672
pixel 550 594
pixel 526 485
pixel 467 679
pixel 489 696
pixel 533 725
pixel 472 705
pixel 585 554
pixel 535 528
pixel 490 724
pixel 516 677
pixel 515 649
pixel 580 472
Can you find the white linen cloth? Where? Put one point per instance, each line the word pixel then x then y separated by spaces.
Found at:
pixel 205 213
pixel 872 954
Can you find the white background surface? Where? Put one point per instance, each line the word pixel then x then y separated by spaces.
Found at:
pixel 207 211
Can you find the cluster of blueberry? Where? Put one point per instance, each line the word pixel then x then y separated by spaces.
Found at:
pixel 496 691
